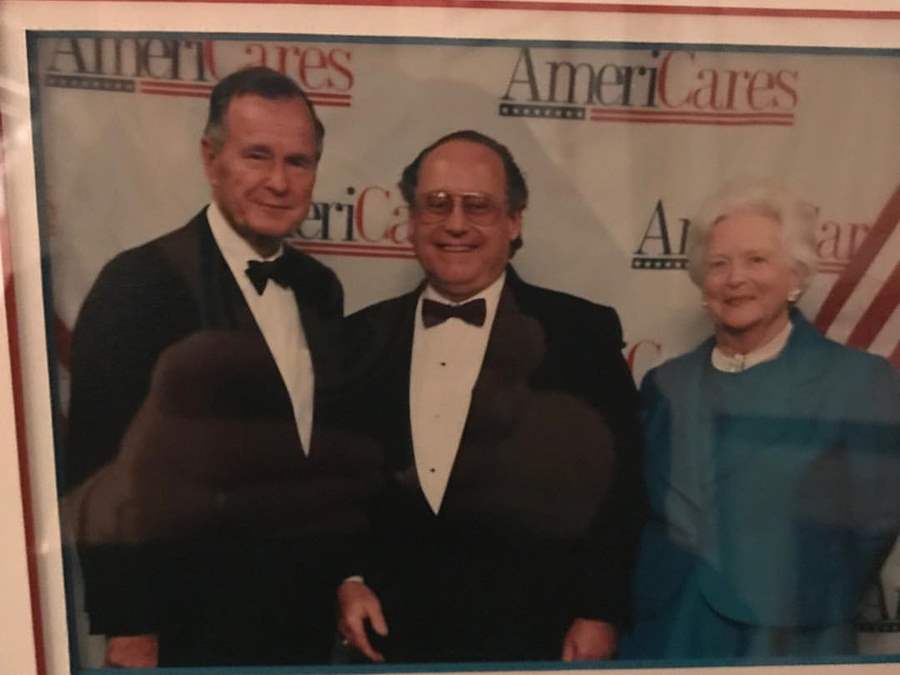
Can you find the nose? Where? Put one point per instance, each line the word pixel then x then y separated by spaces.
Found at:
pixel 277 180
pixel 737 273
pixel 456 222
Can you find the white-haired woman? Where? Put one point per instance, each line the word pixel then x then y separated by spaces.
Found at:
pixel 772 455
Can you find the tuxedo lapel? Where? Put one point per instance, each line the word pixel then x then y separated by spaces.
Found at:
pixel 388 341
pixel 514 351
pixel 225 301
pixel 310 298
pixel 402 369
pixel 196 258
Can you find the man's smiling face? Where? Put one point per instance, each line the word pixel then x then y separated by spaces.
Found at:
pixel 262 173
pixel 465 250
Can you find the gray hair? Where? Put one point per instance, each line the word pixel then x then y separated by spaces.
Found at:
pixel 257 81
pixel 797 218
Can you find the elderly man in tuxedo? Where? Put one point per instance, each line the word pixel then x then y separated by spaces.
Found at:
pixel 508 420
pixel 206 509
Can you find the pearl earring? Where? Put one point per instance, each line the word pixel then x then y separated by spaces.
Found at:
pixel 793 295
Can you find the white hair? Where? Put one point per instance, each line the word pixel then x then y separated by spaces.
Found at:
pixel 797 220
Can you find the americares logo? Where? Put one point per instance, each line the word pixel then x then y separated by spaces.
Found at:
pixel 372 222
pixel 656 250
pixel 668 87
pixel 175 67
pixel 663 244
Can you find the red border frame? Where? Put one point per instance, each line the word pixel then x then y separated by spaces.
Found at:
pixel 563 6
pixel 15 364
pixel 509 5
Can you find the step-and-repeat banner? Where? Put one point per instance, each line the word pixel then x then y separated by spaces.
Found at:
pixel 619 143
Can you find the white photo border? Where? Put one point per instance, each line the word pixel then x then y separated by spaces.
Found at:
pixel 33 570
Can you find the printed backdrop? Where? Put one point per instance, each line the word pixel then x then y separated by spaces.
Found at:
pixel 619 142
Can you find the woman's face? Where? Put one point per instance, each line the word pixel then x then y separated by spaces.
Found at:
pixel 746 281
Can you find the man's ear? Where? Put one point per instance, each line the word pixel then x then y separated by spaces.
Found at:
pixel 410 228
pixel 208 153
pixel 515 225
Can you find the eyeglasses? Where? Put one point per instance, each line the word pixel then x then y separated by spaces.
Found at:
pixel 435 207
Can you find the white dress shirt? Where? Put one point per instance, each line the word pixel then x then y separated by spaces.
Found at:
pixel 736 363
pixel 278 317
pixel 446 360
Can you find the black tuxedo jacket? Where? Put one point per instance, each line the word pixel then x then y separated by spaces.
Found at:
pixel 220 597
pixel 540 518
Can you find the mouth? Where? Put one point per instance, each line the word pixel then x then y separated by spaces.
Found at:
pixel 275 207
pixel 738 300
pixel 456 248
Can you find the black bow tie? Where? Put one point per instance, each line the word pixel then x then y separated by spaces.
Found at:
pixel 472 312
pixel 260 271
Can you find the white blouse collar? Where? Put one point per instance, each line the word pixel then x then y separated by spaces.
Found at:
pixel 737 363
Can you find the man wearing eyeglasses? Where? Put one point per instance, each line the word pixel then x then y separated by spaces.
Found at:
pixel 508 420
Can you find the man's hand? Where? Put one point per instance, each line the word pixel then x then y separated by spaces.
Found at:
pixel 132 651
pixel 589 640
pixel 357 604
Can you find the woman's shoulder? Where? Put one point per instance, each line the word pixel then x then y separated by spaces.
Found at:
pixel 686 362
pixel 678 371
pixel 837 357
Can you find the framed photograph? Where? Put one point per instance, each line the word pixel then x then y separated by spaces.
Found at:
pixel 624 118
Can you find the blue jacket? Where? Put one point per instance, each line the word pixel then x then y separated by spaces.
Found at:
pixel 774 490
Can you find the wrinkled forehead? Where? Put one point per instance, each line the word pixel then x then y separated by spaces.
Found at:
pixel 749 209
pixel 746 229
pixel 284 114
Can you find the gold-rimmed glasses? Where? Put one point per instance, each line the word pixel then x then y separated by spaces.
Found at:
pixel 479 208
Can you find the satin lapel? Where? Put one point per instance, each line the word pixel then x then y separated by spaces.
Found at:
pixel 492 408
pixel 378 341
pixel 322 335
pixel 397 352
pixel 320 338
pixel 320 330
pixel 220 303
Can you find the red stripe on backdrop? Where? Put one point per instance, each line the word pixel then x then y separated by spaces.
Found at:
pixel 878 312
pixel 15 362
pixel 895 357
pixel 697 114
pixel 695 122
pixel 374 250
pixel 176 85
pixel 322 94
pixel 331 104
pixel 360 254
pixel 310 245
pixel 857 266
pixel 163 92
pixel 205 89
pixel 687 119
pixel 601 7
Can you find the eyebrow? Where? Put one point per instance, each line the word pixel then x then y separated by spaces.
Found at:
pixel 257 147
pixel 752 251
